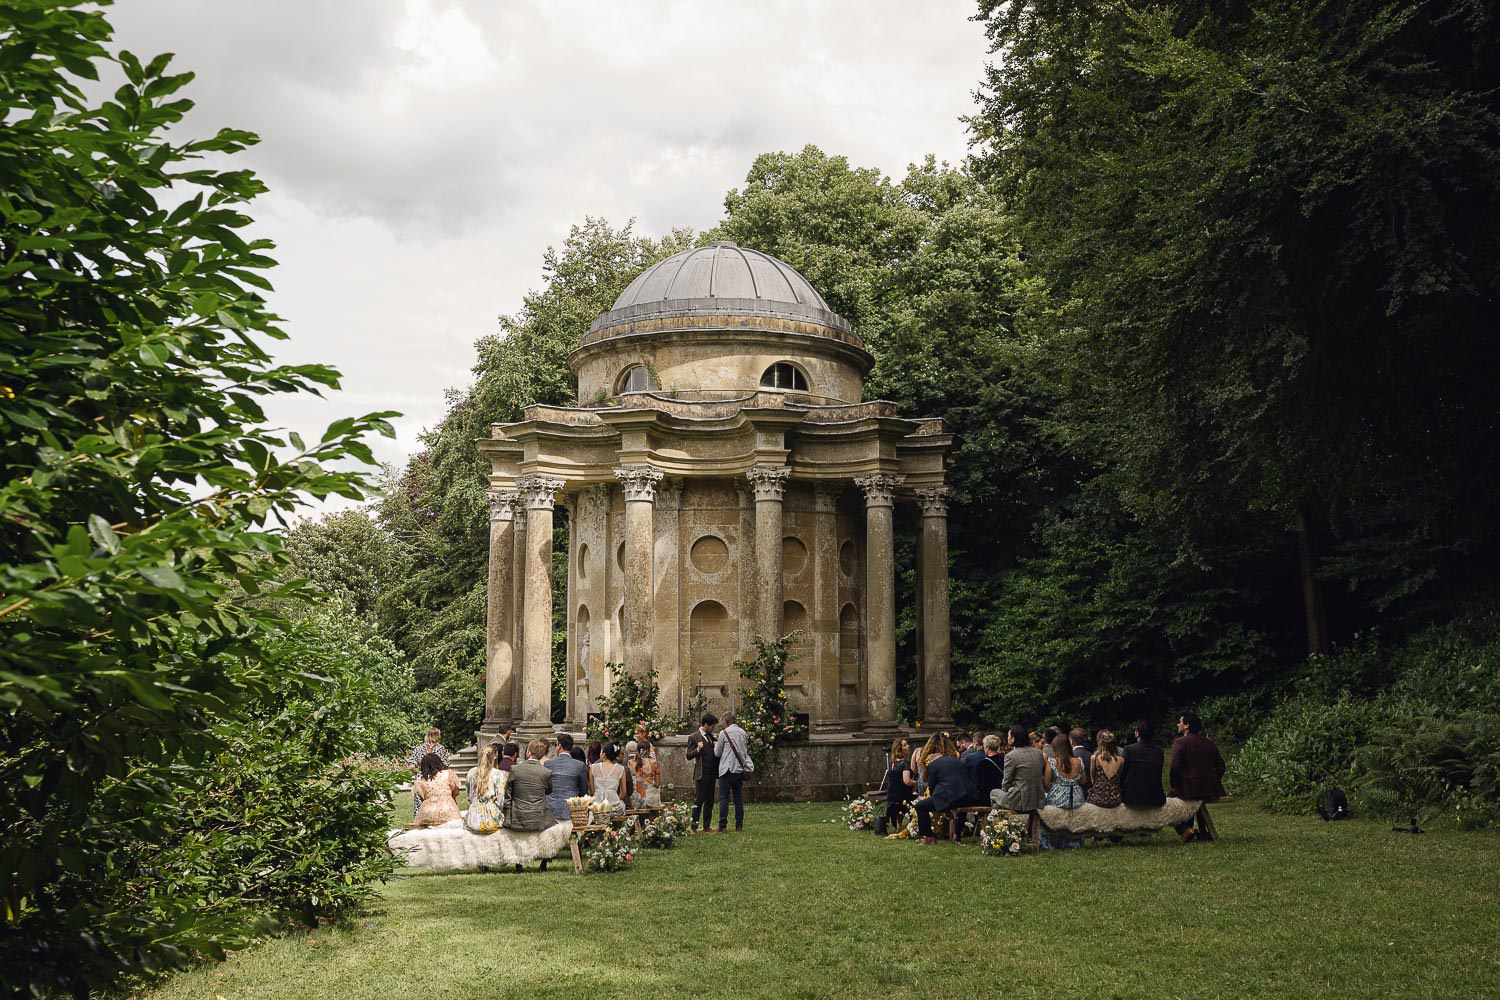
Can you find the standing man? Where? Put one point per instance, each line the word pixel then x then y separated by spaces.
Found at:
pixel 1197 768
pixel 700 750
pixel 433 744
pixel 570 777
pixel 733 751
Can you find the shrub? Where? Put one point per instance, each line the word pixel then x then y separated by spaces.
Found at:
pixel 1304 746
pixel 763 711
pixel 1424 766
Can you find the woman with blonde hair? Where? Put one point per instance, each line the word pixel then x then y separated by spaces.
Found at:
pixel 486 787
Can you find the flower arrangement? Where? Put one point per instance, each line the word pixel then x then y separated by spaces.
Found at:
pixel 1003 834
pixel 859 814
pixel 676 816
pixel 659 835
pixel 632 701
pixel 607 850
pixel 763 712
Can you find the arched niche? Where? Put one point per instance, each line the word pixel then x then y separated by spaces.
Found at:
pixel 713 644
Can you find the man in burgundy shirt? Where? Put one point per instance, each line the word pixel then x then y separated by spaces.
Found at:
pixel 1197 767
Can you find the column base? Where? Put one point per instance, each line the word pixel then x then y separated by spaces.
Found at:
pixel 527 731
pixel 881 729
pixel 939 725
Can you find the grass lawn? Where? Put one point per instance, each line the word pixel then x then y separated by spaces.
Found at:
pixel 797 906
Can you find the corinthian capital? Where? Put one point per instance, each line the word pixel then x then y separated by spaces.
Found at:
pixel 502 504
pixel 639 481
pixel 880 489
pixel 540 491
pixel 934 501
pixel 768 481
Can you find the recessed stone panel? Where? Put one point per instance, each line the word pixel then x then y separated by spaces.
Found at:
pixel 709 554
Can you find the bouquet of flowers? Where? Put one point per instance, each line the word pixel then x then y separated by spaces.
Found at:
pixel 675 816
pixel 1003 834
pixel 607 850
pixel 859 814
pixel 659 834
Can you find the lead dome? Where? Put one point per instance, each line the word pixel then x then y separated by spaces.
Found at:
pixel 715 322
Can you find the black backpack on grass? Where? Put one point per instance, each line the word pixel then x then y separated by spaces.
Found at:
pixel 1333 804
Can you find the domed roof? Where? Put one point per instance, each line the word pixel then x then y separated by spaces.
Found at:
pixel 721 271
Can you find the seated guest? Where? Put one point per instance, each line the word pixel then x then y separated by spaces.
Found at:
pixel 646 790
pixel 578 755
pixel 595 750
pixel 607 779
pixel 570 777
pixel 526 792
pixel 485 784
pixel 1063 781
pixel 919 761
pixel 433 744
pixel 509 756
pixel 1079 741
pixel 1021 785
pixel 1197 767
pixel 900 785
pixel 947 781
pixel 439 790
pixel 1105 766
pixel 1140 772
pixel 1037 740
pixel 989 769
pixel 1048 736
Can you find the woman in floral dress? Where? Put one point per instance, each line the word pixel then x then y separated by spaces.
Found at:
pixel 647 772
pixel 1063 781
pixel 439 789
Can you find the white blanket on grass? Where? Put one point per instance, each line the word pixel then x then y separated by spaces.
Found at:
pixel 451 848
pixel 1090 819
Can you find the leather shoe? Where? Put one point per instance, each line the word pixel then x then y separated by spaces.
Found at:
pixel 928 841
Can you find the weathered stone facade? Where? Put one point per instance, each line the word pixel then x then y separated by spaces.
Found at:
pixel 724 479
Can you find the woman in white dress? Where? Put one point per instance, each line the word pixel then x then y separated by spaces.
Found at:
pixel 607 779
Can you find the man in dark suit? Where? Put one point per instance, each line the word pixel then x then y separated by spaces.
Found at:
pixel 1140 777
pixel 948 780
pixel 700 750
pixel 1197 767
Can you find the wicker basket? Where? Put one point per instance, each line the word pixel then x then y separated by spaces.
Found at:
pixel 580 816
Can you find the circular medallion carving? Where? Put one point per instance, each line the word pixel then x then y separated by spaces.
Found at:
pixel 793 555
pixel 709 554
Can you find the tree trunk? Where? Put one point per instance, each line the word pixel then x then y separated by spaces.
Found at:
pixel 1312 597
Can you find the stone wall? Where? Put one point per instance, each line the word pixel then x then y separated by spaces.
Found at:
pixel 820 771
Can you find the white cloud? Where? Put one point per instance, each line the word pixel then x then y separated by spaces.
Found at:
pixel 423 154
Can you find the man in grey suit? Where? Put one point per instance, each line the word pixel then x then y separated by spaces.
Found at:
pixel 700 750
pixel 569 777
pixel 526 792
pixel 1021 786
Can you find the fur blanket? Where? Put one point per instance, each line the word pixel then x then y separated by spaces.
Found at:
pixel 451 848
pixel 1089 819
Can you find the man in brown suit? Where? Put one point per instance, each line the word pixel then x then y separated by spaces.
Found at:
pixel 526 793
pixel 700 750
pixel 1197 767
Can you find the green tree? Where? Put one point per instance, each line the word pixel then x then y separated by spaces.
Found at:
pixel 139 477
pixel 1262 226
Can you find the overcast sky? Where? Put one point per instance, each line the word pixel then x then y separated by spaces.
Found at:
pixel 422 154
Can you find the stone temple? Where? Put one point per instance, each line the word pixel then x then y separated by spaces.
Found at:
pixel 723 478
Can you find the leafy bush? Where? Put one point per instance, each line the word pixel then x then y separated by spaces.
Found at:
pixel 1304 746
pixel 140 579
pixel 1420 767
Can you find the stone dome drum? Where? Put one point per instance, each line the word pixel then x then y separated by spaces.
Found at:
pixel 711 322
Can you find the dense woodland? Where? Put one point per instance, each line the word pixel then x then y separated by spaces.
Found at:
pixel 1209 310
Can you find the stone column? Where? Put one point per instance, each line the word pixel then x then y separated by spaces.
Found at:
pixel 936 652
pixel 536 670
pixel 880 598
pixel 639 483
pixel 666 614
pixel 518 602
pixel 769 483
pixel 825 611
pixel 499 612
